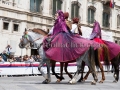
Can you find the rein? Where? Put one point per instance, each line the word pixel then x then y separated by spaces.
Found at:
pixel 36 39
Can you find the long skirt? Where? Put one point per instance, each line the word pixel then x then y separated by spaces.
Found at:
pixel 66 47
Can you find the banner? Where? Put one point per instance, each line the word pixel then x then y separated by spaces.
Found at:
pixel 23 68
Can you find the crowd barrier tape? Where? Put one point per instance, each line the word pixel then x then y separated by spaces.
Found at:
pixel 23 68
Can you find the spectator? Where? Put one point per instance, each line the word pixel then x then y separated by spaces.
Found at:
pixel 4 55
pixel 31 59
pixel 8 49
pixel 1 60
pixel 38 58
pixel 11 58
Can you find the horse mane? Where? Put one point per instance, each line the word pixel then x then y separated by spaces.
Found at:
pixel 40 31
pixel 36 36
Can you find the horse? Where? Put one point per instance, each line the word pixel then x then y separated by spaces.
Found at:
pixel 32 39
pixel 98 63
pixel 114 62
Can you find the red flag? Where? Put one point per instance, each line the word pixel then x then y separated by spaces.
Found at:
pixel 112 3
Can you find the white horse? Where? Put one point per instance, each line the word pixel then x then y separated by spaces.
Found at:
pixel 33 39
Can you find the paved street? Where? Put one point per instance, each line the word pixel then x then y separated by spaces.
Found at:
pixel 34 83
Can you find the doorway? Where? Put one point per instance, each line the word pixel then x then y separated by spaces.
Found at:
pixel 34 52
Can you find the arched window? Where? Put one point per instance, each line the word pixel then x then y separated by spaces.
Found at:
pixel 75 6
pixel 57 5
pixel 35 5
pixel 106 15
pixel 118 21
pixel 91 14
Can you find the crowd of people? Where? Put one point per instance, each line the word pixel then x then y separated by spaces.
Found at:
pixel 11 58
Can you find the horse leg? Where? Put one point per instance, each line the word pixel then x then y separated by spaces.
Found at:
pixel 116 73
pixel 53 69
pixel 73 80
pixel 87 74
pixel 61 72
pixel 81 78
pixel 42 72
pixel 102 71
pixel 48 71
pixel 65 68
pixel 91 69
pixel 91 64
pixel 79 64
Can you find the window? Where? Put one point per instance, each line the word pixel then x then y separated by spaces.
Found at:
pixel 75 6
pixel 5 25
pixel 118 21
pixel 15 27
pixel 57 4
pixel 106 14
pixel 91 14
pixel 35 5
pixel 106 19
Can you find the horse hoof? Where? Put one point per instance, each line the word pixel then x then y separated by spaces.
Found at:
pixel 73 81
pixel 93 83
pixel 46 81
pixel 58 81
pixel 115 81
pixel 96 80
pixel 101 81
pixel 70 82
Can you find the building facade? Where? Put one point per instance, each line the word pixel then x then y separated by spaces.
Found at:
pixel 16 15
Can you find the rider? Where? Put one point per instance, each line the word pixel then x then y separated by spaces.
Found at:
pixel 76 28
pixel 114 49
pixel 96 33
pixel 68 23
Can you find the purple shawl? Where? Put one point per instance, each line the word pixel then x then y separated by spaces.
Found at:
pixel 96 32
pixel 60 24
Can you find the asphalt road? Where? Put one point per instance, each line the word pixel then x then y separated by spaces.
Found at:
pixel 35 83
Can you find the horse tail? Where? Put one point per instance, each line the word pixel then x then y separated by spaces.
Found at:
pixel 106 56
pixel 97 59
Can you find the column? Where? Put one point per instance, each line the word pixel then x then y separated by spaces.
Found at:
pixel 22 26
pixel 84 8
pixel 113 24
pixel 46 7
pixel 1 24
pixel 10 29
pixel 99 11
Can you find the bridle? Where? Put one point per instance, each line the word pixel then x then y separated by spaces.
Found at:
pixel 31 42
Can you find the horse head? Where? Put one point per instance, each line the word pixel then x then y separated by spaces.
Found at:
pixel 31 38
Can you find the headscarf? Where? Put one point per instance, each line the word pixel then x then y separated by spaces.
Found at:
pixel 60 24
pixel 97 29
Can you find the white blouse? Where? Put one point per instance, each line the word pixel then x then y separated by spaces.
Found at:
pixel 74 28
